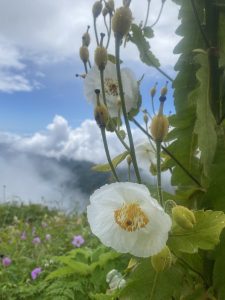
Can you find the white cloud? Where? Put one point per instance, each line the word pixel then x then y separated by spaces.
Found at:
pixel 46 31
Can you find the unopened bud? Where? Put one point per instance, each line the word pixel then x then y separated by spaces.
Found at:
pixel 184 217
pixel 164 90
pixel 101 115
pixel 110 5
pixel 159 127
pixel 153 90
pixel 86 38
pixel 129 159
pixel 145 117
pixel 105 11
pixel 121 21
pixel 96 9
pixel 162 261
pixel 84 54
pixel 101 57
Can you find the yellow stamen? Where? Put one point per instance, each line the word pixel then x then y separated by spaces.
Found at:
pixel 131 217
pixel 111 87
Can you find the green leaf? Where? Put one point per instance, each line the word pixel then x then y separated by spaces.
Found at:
pixel 204 235
pixel 139 285
pixel 138 38
pixel 116 161
pixel 61 272
pixel 219 269
pixel 205 123
pixel 112 58
pixel 78 267
pixel 148 32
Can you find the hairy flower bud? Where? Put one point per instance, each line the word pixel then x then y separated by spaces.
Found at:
pixel 162 261
pixel 121 21
pixel 129 159
pixel 86 39
pixel 84 54
pixel 159 127
pixel 101 115
pixel 101 57
pixel 184 217
pixel 105 11
pixel 164 90
pixel 96 9
pixel 110 5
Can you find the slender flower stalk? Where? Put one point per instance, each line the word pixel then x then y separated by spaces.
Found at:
pixel 110 30
pixel 147 14
pixel 195 180
pixel 159 15
pixel 132 151
pixel 159 184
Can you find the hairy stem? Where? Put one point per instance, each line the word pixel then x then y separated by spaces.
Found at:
pixel 132 151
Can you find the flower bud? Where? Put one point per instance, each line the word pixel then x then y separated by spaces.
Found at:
pixel 162 261
pixel 86 38
pixel 84 54
pixel 164 90
pixel 105 11
pixel 110 5
pixel 145 117
pixel 129 159
pixel 159 127
pixel 101 57
pixel 101 115
pixel 126 3
pixel 121 21
pixel 96 9
pixel 184 217
pixel 153 91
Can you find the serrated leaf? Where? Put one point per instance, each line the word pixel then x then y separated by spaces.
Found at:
pixel 143 46
pixel 205 123
pixel 61 272
pixel 78 267
pixel 139 285
pixel 204 235
pixel 116 161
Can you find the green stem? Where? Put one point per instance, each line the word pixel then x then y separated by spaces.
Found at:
pixel 121 140
pixel 110 30
pixel 85 67
pixel 103 86
pixel 96 32
pixel 170 154
pixel 159 183
pixel 107 154
pixel 153 106
pixel 132 151
pixel 154 285
pixel 159 15
pixel 147 15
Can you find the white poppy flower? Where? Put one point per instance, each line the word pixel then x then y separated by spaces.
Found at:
pixel 130 86
pixel 125 217
pixel 145 154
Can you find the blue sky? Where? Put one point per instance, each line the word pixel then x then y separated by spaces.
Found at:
pixel 43 110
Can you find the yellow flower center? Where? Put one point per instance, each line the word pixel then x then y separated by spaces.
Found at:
pixel 130 217
pixel 111 87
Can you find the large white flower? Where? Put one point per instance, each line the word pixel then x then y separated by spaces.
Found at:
pixel 125 217
pixel 146 154
pixel 130 86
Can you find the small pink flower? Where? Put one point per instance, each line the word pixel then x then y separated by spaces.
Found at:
pixel 6 261
pixel 36 240
pixel 35 273
pixel 78 240
pixel 48 237
pixel 23 236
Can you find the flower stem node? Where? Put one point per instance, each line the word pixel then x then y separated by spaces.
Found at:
pixel 96 9
pixel 101 57
pixel 184 217
pixel 159 127
pixel 101 115
pixel 84 54
pixel 162 261
pixel 121 21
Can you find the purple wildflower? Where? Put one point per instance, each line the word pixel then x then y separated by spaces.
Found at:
pixel 6 261
pixel 78 240
pixel 48 237
pixel 23 236
pixel 36 240
pixel 35 273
